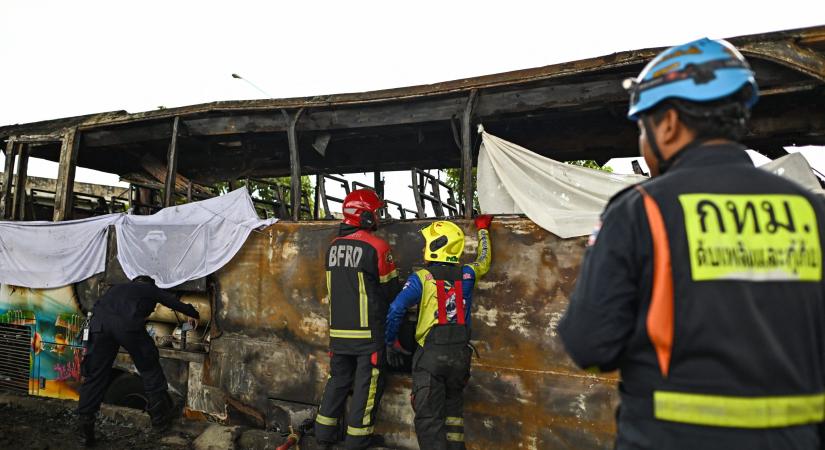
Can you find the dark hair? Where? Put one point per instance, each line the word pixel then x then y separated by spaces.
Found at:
pixel 725 118
pixel 144 279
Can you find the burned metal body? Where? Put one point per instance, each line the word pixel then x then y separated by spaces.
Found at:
pixel 272 312
pixel 266 361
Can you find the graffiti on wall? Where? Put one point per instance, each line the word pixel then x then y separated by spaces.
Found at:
pixel 57 323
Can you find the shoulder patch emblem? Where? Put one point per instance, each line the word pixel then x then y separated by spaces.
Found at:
pixel 594 234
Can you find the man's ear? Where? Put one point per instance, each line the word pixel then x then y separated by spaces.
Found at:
pixel 667 131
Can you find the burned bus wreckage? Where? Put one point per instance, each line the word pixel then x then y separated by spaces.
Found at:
pixel 263 360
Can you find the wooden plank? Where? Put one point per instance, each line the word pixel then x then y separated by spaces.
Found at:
pixel 467 154
pixel 294 161
pixel 8 177
pixel 65 175
pixel 172 166
pixel 18 210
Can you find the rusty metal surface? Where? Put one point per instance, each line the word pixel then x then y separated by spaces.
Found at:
pixel 271 309
pixel 762 45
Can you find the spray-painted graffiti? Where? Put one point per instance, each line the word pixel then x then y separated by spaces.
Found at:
pixel 56 322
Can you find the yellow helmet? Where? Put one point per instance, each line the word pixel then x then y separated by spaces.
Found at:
pixel 444 242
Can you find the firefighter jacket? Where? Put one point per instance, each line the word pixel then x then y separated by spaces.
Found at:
pixel 703 287
pixel 131 303
pixel 421 289
pixel 361 281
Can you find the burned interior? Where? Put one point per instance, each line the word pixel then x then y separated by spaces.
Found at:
pixel 266 359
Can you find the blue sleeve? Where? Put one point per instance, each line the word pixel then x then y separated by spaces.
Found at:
pixel 468 282
pixel 410 295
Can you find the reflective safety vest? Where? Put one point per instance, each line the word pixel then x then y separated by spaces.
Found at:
pixel 442 300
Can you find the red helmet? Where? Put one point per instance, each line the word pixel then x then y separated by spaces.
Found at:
pixel 361 208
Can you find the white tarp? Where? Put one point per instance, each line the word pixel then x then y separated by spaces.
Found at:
pixel 794 167
pixel 186 242
pixel 175 245
pixel 53 254
pixel 564 199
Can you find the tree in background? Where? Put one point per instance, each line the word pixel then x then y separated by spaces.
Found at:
pixel 267 189
pixel 590 164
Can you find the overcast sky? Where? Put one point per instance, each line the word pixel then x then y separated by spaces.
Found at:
pixel 65 58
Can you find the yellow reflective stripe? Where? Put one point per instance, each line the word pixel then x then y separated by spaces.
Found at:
pixel 455 422
pixel 389 276
pixel 362 297
pixel 329 294
pixel 739 412
pixel 455 437
pixel 352 431
pixel 351 334
pixel 371 396
pixel 324 420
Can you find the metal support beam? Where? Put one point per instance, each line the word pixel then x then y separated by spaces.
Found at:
pixel 171 166
pixel 8 178
pixel 18 210
pixel 788 54
pixel 65 175
pixel 294 161
pixel 467 154
pixel 379 185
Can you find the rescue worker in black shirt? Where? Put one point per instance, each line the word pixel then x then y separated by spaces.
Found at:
pixel 443 291
pixel 703 286
pixel 119 320
pixel 361 281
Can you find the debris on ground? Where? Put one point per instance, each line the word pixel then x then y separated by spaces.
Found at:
pixel 39 423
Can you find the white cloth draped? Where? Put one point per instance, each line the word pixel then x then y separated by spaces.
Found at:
pixel 564 199
pixel 174 245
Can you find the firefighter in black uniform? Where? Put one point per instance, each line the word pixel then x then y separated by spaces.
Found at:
pixel 703 286
pixel 361 281
pixel 119 320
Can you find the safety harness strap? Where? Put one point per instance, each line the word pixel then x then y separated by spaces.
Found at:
pixel 441 296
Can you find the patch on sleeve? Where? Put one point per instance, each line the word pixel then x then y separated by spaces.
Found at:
pixel 388 257
pixel 594 234
pixel 468 276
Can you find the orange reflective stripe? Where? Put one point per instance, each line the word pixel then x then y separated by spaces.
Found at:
pixel 660 314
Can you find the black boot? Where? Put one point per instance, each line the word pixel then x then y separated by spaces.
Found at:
pixel 86 429
pixel 161 410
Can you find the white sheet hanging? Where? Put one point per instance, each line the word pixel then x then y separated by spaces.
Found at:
pixel 561 198
pixel 52 254
pixel 175 245
pixel 186 242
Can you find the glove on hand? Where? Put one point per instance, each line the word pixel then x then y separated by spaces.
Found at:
pixel 483 221
pixel 396 353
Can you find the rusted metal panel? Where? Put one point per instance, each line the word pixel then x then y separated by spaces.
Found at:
pixel 566 69
pixel 524 392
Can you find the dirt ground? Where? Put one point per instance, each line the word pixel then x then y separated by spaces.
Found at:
pixel 52 426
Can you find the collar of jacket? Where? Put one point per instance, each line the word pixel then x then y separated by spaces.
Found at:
pixel 346 230
pixel 711 155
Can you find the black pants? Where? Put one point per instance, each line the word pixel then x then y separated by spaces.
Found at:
pixel 96 367
pixel 440 373
pixel 364 375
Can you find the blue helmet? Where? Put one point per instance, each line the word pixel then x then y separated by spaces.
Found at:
pixel 700 71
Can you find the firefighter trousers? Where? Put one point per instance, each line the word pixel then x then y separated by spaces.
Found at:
pixel 96 367
pixel 364 376
pixel 440 373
